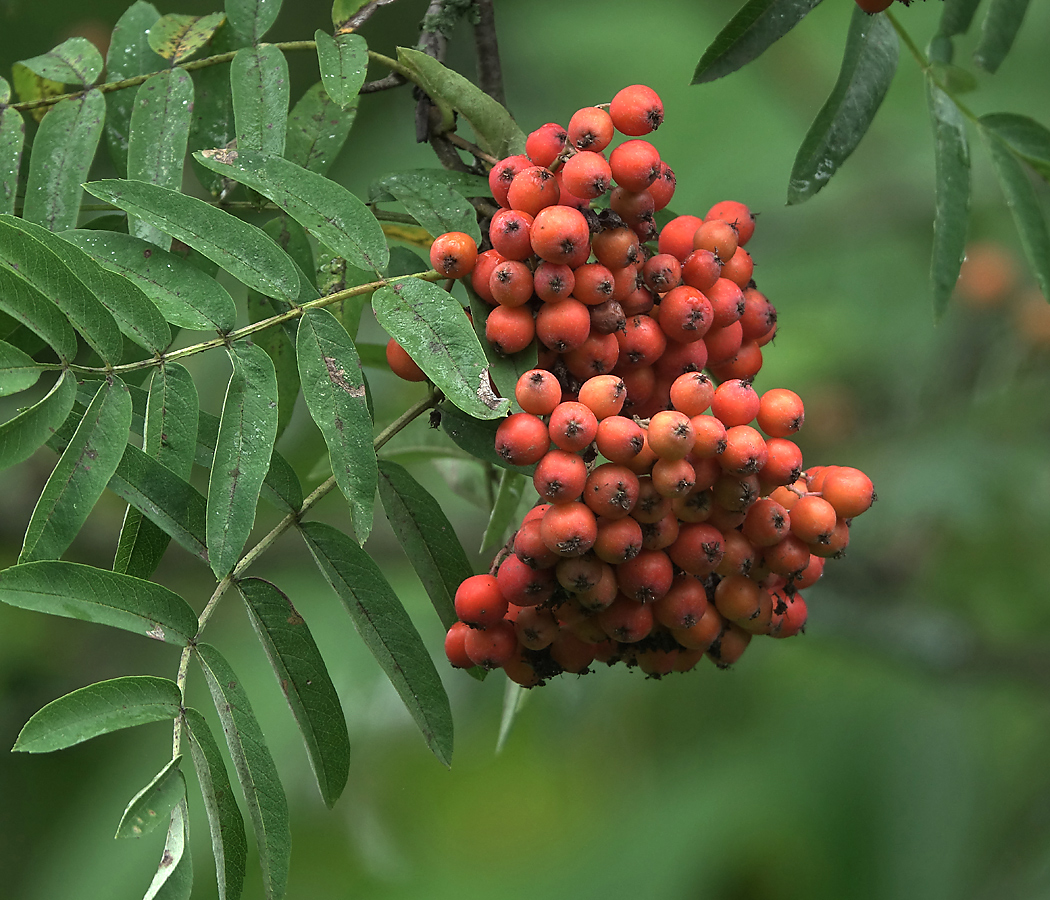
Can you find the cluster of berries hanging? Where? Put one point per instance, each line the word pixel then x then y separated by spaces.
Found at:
pixel 669 527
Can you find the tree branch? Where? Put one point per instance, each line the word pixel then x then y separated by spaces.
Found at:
pixel 490 72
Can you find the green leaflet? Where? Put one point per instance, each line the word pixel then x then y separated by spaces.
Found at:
pixel 435 205
pixel 228 843
pixel 152 805
pixel 241 249
pixel 30 86
pixel 514 698
pixel 343 12
pixel 129 55
pixel 317 130
pixel 427 536
pixel 62 153
pixel 1026 137
pixel 159 130
pixel 18 370
pixel 431 325
pixel 12 139
pixel 213 111
pixel 386 629
pixel 76 591
pixel 334 215
pixel 502 518
pixel 251 19
pixel 505 370
pixel 343 61
pixel 755 27
pixel 868 67
pixel 267 805
pixel 99 709
pixel 466 184
pixel 133 312
pixel 177 38
pixel 81 474
pixel 260 89
pixel 334 388
pixel 1001 24
pixel 22 435
pixel 957 16
pixel 247 431
pixel 174 878
pixel 279 347
pixel 496 132
pixel 184 295
pixel 305 682
pixel 26 305
pixel 952 156
pixel 75 62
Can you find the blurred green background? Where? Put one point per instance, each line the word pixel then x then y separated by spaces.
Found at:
pixel 897 750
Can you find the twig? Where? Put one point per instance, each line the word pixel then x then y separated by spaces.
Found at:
pixel 490 72
pixel 472 149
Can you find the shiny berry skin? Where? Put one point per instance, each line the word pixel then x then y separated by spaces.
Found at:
pixel 510 329
pixel 781 412
pixel 558 233
pixel 479 602
pixel 533 189
pixel 509 234
pixel 587 175
pixel 636 110
pixel 591 128
pixel 560 476
pixel 735 403
pixel 401 364
pixel 538 392
pixel 502 174
pixel 522 439
pixel 545 143
pixel 553 281
pixel 603 395
pixel 848 490
pixel 453 254
pixel 493 647
pixel 455 649
pixel 737 215
pixel 635 165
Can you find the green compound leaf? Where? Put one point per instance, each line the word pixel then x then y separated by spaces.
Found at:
pixel 241 249
pixel 228 842
pixel 334 387
pixel 177 38
pixel 868 66
pixel 952 157
pixel 22 435
pixel 328 210
pixel 75 61
pixel 134 314
pixel 343 61
pixel 18 370
pixel 427 536
pixel 99 709
pixel 12 140
pixel 435 205
pixel 27 306
pixel 267 805
pixel 1001 24
pixel 184 295
pixel 251 19
pixel 213 124
pixel 62 153
pixel 76 591
pixel 758 25
pixel 431 325
pixel 247 431
pixel 317 130
pixel 152 805
pixel 1027 138
pixel 501 519
pixel 466 184
pixel 81 474
pixel 159 131
pixel 304 679
pixel 174 877
pixel 957 16
pixel 505 370
pixel 260 87
pixel 279 347
pixel 1024 206
pixel 386 629
pixel 497 133
pixel 129 55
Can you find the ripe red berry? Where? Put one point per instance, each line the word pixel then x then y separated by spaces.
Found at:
pixel 483 268
pixel 453 254
pixel 510 329
pixel 737 215
pixel 479 602
pixel 529 546
pixel 691 393
pixel 509 234
pixel 671 434
pixel 781 412
pixel 591 128
pixel 619 439
pixel 564 325
pixel 611 490
pixel 635 165
pixel 493 647
pixel 522 439
pixel 727 303
pixel 502 174
pixel 813 519
pixel 699 548
pixel 735 403
pixel 676 237
pixel 573 426
pixel 616 247
pixel 745 452
pixel 401 364
pixel 766 523
pixel 454 646
pixel 535 627
pixel 538 392
pixel 560 476
pixel 717 236
pixel 603 395
pixel 533 189
pixel 663 188
pixel 848 490
pixel 594 284
pixel 618 540
pixel 647 577
pixel 636 110
pixel 552 281
pixel 545 143
pixel 569 529
pixel 557 234
pixel 587 174
pixel 627 621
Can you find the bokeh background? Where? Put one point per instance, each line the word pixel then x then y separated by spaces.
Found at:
pixel 896 750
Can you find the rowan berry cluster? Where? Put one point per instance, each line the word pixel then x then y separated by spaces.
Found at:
pixel 668 525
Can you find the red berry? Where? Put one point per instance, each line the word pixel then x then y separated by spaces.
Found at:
pixel 636 110
pixel 453 254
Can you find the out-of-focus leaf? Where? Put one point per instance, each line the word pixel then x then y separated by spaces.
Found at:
pixel 431 325
pixel 386 629
pixel 152 805
pixel 508 497
pixel 247 431
pixel 335 393
pixel 129 55
pixel 317 130
pixel 496 132
pixel 159 130
pixel 756 26
pixel 437 207
pixel 1025 137
pixel 177 38
pixel 259 82
pixel 22 435
pixel 18 371
pixel 1000 27
pixel 478 438
pixel 279 347
pixel 75 61
pixel 12 139
pixel 81 474
pixel 27 306
pixel 228 843
pixel 213 123
pixel 334 215
pixel 305 682
pixel 466 184
pixel 514 698
pixel 427 536
pixel 29 86
pixel 251 19
pixel 868 66
pixel 1024 206
pixel 256 772
pixel 185 295
pixel 99 709
pixel 174 877
pixel 77 591
pixel 241 249
pixel 343 61
pixel 957 16
pixel 952 156
pixel 957 80
pixel 62 153
pixel 505 370
pixel 372 356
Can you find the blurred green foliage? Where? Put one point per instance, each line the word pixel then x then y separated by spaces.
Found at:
pixel 894 751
